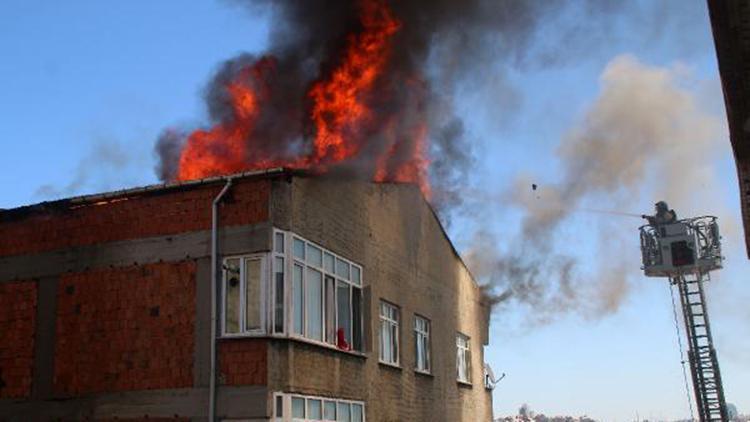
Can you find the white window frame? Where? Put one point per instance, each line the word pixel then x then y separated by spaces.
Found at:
pixel 386 321
pixel 290 261
pixel 463 356
pixel 286 400
pixel 422 333
pixel 243 332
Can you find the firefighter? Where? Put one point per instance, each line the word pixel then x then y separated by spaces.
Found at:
pixel 663 215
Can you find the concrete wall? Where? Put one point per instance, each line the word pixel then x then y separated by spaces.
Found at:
pixel 730 22
pixel 408 261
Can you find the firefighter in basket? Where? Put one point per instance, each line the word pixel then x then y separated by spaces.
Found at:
pixel 663 215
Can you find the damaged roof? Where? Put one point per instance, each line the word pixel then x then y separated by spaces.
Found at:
pixel 6 214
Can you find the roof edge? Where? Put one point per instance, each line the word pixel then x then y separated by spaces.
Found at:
pixel 96 197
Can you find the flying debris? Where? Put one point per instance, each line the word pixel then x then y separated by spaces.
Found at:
pixel 533 186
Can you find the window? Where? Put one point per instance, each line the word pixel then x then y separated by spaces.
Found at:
pixel 279 259
pixel 310 408
pixel 242 287
pixel 389 334
pixel 422 344
pixel 463 358
pixel 326 293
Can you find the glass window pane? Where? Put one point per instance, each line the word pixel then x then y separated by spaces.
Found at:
pixel 357 319
pixel 298 407
pixel 385 342
pixel 314 410
pixel 357 413
pixel 330 305
pixel 459 365
pixel 328 263
pixel 330 411
pixel 314 255
pixel 344 412
pixel 463 358
pixel 422 343
pixel 279 406
pixel 298 298
pixel 418 350
pixel 299 248
pixel 394 337
pixel 342 268
pixel 279 295
pixel 252 294
pixel 278 242
pixel 356 276
pixel 314 294
pixel 428 366
pixel 344 318
pixel 232 293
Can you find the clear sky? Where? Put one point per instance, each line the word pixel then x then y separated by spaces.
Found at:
pixel 85 88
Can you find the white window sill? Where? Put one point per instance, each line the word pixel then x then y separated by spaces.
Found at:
pixel 292 338
pixel 464 383
pixel 390 365
pixel 249 334
pixel 425 373
pixel 322 344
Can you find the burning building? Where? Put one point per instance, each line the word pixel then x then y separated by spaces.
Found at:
pixel 334 300
pixel 291 266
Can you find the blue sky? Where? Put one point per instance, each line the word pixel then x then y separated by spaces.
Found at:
pixel 87 86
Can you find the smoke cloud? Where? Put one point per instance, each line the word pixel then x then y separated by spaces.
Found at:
pixel 441 46
pixel 645 125
pixel 446 48
pixel 101 168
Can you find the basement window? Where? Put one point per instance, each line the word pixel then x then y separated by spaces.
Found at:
pixel 242 294
pixel 301 408
pixel 325 293
pixel 463 358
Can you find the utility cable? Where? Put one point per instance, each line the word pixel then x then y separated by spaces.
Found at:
pixel 682 353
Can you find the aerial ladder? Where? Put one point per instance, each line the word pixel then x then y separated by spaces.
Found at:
pixel 685 252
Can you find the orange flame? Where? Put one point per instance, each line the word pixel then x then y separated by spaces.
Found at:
pixel 339 113
pixel 223 148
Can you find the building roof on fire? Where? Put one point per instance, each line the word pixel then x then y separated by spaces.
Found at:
pixel 77 201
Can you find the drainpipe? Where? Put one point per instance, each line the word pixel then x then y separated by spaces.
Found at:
pixel 214 273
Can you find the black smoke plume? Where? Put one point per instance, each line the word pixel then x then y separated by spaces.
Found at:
pixel 440 46
pixel 442 50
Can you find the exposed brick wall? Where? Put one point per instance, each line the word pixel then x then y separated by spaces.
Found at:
pixel 160 213
pixel 243 361
pixel 125 329
pixel 17 324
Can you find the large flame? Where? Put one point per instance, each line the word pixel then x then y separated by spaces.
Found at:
pixel 340 114
pixel 223 148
